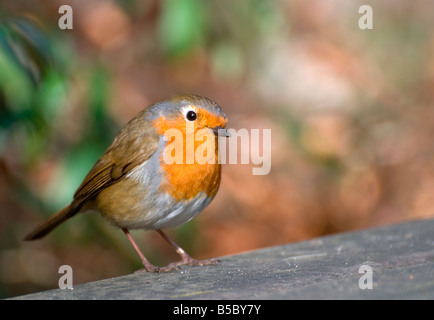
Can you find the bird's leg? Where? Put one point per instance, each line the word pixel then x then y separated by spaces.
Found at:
pixel 186 259
pixel 147 265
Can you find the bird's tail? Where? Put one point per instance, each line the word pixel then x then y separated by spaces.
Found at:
pixel 46 227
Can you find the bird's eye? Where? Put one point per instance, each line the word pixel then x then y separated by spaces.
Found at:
pixel 191 115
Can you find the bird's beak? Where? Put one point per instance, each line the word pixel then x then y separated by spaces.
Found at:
pixel 219 131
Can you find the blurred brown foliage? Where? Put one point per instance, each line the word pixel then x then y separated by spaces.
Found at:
pixel 350 111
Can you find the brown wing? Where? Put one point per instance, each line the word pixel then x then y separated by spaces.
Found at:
pixel 134 144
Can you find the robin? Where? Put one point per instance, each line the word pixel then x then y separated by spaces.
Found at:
pixel 133 185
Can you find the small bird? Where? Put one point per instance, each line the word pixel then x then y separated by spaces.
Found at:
pixel 133 185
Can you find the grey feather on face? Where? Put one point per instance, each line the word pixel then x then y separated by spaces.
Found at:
pixel 171 108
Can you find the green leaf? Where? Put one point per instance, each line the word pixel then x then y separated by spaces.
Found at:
pixel 14 83
pixel 181 26
pixel 72 170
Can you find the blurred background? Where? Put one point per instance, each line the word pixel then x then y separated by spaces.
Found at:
pixel 350 111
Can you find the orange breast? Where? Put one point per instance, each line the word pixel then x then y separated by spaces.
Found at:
pixel 184 181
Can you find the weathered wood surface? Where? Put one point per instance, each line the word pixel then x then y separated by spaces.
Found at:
pixel 401 257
